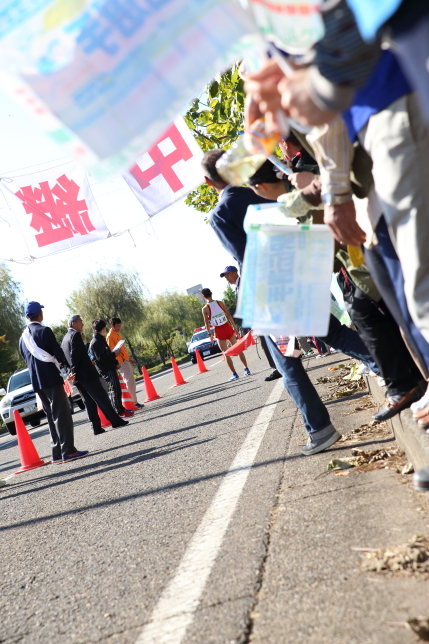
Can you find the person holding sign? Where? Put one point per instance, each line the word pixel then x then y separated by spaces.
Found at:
pixel 217 315
pixel 115 342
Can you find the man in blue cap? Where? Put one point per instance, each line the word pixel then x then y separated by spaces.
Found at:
pixel 230 273
pixel 45 359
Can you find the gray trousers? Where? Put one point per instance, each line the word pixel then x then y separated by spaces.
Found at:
pixel 57 409
pixel 397 140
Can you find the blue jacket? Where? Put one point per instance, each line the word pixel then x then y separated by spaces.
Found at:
pixel 228 216
pixel 43 375
pixel 385 86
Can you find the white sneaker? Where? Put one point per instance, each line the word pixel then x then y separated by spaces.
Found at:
pixel 381 381
pixel 420 404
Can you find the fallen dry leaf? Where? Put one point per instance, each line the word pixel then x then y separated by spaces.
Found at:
pixel 410 558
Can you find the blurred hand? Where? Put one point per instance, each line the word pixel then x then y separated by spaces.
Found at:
pixel 263 97
pixel 301 180
pixel 297 102
pixel 341 219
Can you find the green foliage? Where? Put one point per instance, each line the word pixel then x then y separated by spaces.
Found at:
pixel 230 299
pixel 12 322
pixel 164 314
pixel 59 331
pixel 216 119
pixel 111 292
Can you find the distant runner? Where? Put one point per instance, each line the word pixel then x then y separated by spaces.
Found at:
pixel 216 314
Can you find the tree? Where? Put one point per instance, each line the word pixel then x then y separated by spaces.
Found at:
pixel 165 313
pixel 12 322
pixel 59 330
pixel 112 292
pixel 230 299
pixel 216 119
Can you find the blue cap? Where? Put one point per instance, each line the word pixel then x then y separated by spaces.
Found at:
pixel 229 268
pixel 33 309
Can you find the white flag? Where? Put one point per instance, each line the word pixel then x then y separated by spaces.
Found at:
pixel 168 171
pixel 55 209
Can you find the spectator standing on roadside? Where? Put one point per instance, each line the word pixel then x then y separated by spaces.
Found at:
pixel 87 379
pixel 231 275
pixel 45 359
pixel 107 366
pixel 125 364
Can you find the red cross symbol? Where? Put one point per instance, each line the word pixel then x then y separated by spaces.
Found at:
pixel 163 164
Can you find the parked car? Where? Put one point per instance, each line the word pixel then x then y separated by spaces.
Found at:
pixel 201 340
pixel 20 396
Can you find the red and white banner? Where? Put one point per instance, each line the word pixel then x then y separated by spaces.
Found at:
pixel 55 209
pixel 168 171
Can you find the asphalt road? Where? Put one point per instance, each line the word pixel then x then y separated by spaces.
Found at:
pixel 171 530
pixel 88 548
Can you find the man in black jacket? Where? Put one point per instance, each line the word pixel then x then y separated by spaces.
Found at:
pixel 45 358
pixel 87 379
pixel 107 366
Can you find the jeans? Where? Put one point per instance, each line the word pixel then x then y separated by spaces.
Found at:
pixel 343 339
pixel 300 389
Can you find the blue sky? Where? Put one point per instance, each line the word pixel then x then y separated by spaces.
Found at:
pixel 174 250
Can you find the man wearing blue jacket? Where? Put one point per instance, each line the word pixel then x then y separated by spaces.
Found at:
pixel 45 358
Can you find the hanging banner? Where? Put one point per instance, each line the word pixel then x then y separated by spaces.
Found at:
pixel 55 209
pixel 168 171
pixel 293 25
pixel 106 77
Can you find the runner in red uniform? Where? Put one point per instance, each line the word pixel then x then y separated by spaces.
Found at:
pixel 216 314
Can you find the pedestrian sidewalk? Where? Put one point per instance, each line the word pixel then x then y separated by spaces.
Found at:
pixel 313 587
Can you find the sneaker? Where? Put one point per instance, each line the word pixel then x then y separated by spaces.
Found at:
pixel 128 413
pixel 318 441
pixel 74 456
pixel 233 377
pixel 139 406
pixel 420 404
pixel 101 431
pixel 2 483
pixel 381 381
pixel 247 372
pixel 273 376
pixel 123 423
pixel 57 461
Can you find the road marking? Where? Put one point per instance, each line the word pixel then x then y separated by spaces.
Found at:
pixel 9 442
pixel 175 609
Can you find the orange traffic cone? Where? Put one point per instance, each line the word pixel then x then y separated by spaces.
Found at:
pixel 200 362
pixel 27 452
pixel 103 420
pixel 127 401
pixel 151 393
pixel 177 374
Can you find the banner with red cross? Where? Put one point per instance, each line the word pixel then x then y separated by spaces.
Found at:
pixel 168 171
pixel 55 209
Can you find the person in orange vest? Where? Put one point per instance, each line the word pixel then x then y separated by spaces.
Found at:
pixel 217 315
pixel 125 364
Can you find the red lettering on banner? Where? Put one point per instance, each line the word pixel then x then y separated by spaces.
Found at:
pixel 56 212
pixel 163 164
pixel 291 9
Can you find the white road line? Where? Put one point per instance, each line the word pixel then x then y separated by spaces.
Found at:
pixel 175 609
